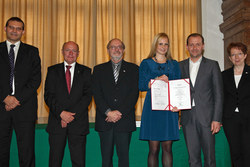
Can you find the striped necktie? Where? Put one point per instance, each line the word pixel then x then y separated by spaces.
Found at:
pixel 116 73
pixel 12 65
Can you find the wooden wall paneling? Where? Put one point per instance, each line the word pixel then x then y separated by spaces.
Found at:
pixel 236 25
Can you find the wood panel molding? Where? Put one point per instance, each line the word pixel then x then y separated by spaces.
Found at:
pixel 236 25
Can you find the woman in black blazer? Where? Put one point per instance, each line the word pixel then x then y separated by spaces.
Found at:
pixel 236 112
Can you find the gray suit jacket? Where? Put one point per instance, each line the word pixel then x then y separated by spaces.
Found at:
pixel 207 92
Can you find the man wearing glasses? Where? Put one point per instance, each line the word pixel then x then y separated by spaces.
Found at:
pixel 115 89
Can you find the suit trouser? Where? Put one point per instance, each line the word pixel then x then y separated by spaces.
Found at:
pixel 25 135
pixel 237 132
pixel 77 148
pixel 121 140
pixel 197 138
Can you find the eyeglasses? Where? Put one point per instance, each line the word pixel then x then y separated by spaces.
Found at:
pixel 237 54
pixel 116 47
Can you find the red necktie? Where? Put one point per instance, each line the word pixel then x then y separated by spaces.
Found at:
pixel 68 78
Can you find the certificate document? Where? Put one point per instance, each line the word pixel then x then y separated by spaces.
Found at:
pixel 175 93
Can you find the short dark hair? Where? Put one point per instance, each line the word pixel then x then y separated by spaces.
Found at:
pixel 14 19
pixel 237 45
pixel 123 46
pixel 195 35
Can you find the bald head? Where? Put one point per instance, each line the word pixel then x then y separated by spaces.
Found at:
pixel 70 52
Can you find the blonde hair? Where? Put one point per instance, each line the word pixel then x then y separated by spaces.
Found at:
pixel 155 44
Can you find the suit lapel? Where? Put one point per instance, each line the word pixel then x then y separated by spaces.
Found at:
pixel 231 81
pixel 4 52
pixel 201 71
pixel 187 72
pixel 61 74
pixel 77 71
pixel 122 72
pixel 20 54
pixel 244 76
pixel 109 73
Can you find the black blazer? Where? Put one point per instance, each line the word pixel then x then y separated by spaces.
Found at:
pixel 121 96
pixel 27 80
pixel 58 99
pixel 236 97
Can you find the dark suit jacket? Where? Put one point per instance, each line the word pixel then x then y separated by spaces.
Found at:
pixel 27 80
pixel 207 92
pixel 58 99
pixel 236 97
pixel 121 96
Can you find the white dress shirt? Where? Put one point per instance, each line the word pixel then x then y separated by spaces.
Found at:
pixel 237 80
pixel 193 70
pixel 16 48
pixel 72 70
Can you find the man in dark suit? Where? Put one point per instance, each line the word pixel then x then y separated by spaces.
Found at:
pixel 202 122
pixel 115 89
pixel 68 95
pixel 20 73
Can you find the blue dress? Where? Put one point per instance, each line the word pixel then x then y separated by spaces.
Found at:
pixel 157 125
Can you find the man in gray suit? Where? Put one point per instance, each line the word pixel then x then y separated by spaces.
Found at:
pixel 202 122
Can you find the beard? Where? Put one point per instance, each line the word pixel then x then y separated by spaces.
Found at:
pixel 116 58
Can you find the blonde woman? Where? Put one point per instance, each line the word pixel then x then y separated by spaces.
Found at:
pixel 159 128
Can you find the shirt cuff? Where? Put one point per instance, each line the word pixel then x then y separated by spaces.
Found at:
pixel 107 111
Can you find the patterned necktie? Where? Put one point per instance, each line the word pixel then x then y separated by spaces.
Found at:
pixel 68 78
pixel 116 73
pixel 12 65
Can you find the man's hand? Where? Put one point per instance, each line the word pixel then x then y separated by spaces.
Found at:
pixel 215 127
pixel 63 124
pixel 11 102
pixel 67 116
pixel 7 108
pixel 113 116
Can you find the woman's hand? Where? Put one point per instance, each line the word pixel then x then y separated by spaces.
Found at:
pixel 175 109
pixel 163 78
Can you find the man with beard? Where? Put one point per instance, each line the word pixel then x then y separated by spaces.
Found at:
pixel 115 89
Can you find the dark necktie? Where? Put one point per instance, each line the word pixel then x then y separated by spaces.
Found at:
pixel 68 78
pixel 12 65
pixel 116 73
